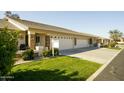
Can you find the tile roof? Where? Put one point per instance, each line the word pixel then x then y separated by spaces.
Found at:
pixel 5 23
pixel 36 25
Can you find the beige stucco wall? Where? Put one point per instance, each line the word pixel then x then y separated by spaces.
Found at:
pixel 58 34
pixel 66 39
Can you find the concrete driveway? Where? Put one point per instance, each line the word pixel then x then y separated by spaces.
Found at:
pixel 99 55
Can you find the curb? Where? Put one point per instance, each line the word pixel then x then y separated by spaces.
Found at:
pixel 93 76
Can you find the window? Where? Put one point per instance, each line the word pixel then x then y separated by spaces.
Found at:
pixel 75 41
pixel 37 39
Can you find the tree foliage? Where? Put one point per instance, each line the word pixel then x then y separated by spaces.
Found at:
pixel 115 35
pixel 10 14
pixel 15 16
pixel 8 48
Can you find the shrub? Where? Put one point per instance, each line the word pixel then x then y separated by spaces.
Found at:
pixel 56 51
pixel 8 48
pixel 48 53
pixel 45 53
pixel 112 44
pixel 95 45
pixel 105 46
pixel 28 54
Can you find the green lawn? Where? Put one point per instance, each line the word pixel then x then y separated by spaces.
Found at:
pixel 54 69
pixel 115 48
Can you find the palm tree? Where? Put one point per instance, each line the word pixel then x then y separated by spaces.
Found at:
pixel 115 35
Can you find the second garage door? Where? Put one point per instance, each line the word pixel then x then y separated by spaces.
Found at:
pixel 82 43
pixel 65 44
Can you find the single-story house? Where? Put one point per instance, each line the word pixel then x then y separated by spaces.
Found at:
pixel 121 40
pixel 104 41
pixel 38 35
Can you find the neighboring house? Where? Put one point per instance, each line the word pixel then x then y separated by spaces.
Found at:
pixel 37 35
pixel 121 42
pixel 104 41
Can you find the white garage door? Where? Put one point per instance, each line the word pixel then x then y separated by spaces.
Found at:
pixel 65 44
pixel 82 43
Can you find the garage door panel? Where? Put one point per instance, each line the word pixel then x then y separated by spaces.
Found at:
pixel 82 43
pixel 65 44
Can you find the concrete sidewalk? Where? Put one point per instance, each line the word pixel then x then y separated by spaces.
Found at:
pixel 114 71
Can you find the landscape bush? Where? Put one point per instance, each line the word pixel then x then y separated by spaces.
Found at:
pixel 112 44
pixel 8 48
pixel 48 53
pixel 28 54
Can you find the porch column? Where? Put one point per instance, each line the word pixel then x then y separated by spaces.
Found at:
pixel 102 40
pixel 31 39
pixel 50 42
pixel 43 40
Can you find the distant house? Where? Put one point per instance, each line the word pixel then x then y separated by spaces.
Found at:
pixel 121 41
pixel 39 36
pixel 104 41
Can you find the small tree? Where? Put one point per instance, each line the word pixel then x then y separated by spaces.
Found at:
pixel 115 35
pixel 8 48
pixel 8 13
pixel 16 16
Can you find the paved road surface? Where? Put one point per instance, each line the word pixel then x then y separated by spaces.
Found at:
pixel 114 71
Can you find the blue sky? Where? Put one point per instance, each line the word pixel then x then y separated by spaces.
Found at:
pixel 97 23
